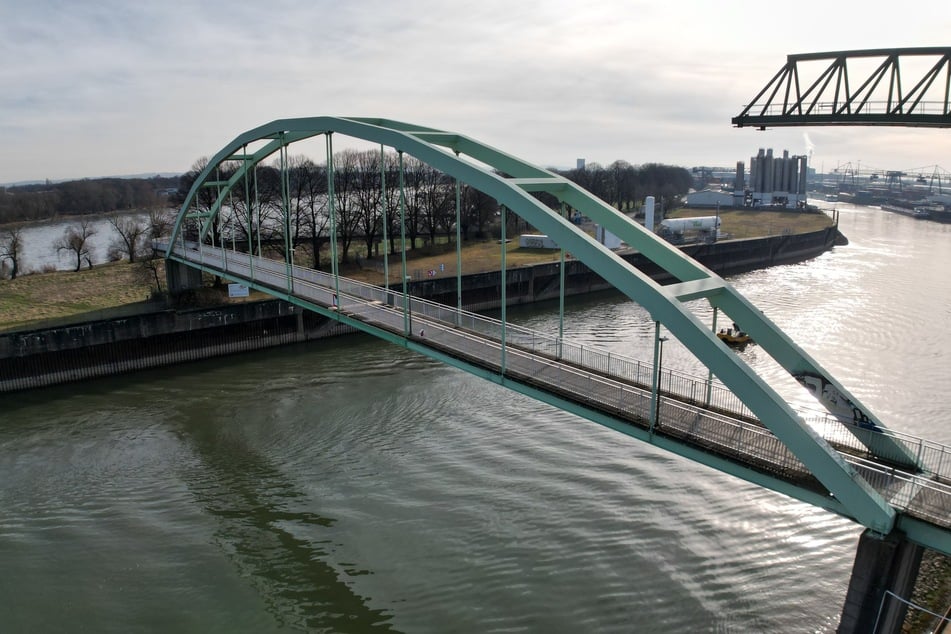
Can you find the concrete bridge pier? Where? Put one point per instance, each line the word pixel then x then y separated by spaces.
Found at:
pixel 181 277
pixel 882 564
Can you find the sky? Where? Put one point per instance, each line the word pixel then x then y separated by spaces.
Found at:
pixel 113 87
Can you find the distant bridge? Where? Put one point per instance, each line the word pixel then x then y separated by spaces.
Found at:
pixel 895 486
pixel 879 87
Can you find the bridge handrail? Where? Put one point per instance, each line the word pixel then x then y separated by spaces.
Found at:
pixel 684 384
pixel 727 436
pixel 903 490
pixel 915 494
pixel 934 458
pixel 871 107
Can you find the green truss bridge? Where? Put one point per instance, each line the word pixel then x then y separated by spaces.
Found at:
pixel 908 87
pixel 897 487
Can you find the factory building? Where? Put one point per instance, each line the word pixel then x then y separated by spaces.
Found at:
pixel 774 182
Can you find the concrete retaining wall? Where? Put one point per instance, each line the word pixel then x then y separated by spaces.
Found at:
pixel 541 282
pixel 41 357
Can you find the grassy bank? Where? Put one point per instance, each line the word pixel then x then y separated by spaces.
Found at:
pixel 748 223
pixel 42 296
pixel 34 298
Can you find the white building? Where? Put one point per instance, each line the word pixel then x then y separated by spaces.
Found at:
pixel 709 198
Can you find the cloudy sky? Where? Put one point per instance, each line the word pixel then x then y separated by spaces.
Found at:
pixel 103 87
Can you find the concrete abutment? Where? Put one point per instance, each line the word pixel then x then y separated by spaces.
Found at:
pixel 181 277
pixel 882 564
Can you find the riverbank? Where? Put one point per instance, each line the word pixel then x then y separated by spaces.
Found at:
pixel 43 299
pixel 206 323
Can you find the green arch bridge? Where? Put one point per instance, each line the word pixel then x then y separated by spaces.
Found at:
pixel 848 462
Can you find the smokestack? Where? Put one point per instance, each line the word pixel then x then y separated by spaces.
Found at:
pixel 803 175
pixel 784 186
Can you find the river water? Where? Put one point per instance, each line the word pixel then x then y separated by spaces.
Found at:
pixel 39 243
pixel 352 486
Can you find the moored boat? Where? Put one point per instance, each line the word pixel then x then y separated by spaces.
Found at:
pixel 734 337
pixel 914 212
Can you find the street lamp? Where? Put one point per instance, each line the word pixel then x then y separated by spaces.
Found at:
pixel 655 388
pixel 660 364
pixel 407 307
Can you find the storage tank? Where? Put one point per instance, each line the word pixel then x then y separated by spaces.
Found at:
pixel 680 225
pixel 649 213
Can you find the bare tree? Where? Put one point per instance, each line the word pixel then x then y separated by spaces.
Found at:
pixel 369 197
pixel 75 240
pixel 414 196
pixel 11 248
pixel 160 223
pixel 313 195
pixel 392 201
pixel 132 232
pixel 151 262
pixel 255 208
pixel 438 194
pixel 346 207
pixel 479 211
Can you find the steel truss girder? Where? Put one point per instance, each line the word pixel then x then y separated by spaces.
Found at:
pixel 510 180
pixel 834 98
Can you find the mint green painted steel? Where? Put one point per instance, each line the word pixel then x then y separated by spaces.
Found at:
pixel 331 200
pixel 458 244
pixel 561 288
pixel 257 206
pixel 505 284
pixel 386 242
pixel 655 376
pixel 512 190
pixel 926 534
pixel 917 531
pixel 286 209
pixel 247 202
pixel 406 323
pixel 710 373
pixel 696 281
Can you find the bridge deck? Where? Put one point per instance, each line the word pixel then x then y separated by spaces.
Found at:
pixel 691 411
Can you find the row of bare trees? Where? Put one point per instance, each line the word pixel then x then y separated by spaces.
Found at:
pixel 623 185
pixel 367 196
pixel 365 185
pixel 131 240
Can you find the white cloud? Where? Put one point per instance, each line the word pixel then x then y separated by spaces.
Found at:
pixel 108 86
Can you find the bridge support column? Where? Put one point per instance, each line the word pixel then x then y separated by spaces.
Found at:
pixel 181 277
pixel 881 564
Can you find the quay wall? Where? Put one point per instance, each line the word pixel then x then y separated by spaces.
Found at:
pixel 50 356
pixel 64 353
pixel 541 282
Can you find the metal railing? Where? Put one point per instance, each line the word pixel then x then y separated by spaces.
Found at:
pixel 618 384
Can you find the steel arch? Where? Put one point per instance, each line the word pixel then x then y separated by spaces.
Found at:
pixel 511 182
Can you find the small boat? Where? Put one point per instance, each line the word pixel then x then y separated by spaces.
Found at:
pixel 734 337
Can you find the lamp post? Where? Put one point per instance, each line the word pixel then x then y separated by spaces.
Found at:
pixel 407 307
pixel 655 388
pixel 660 367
